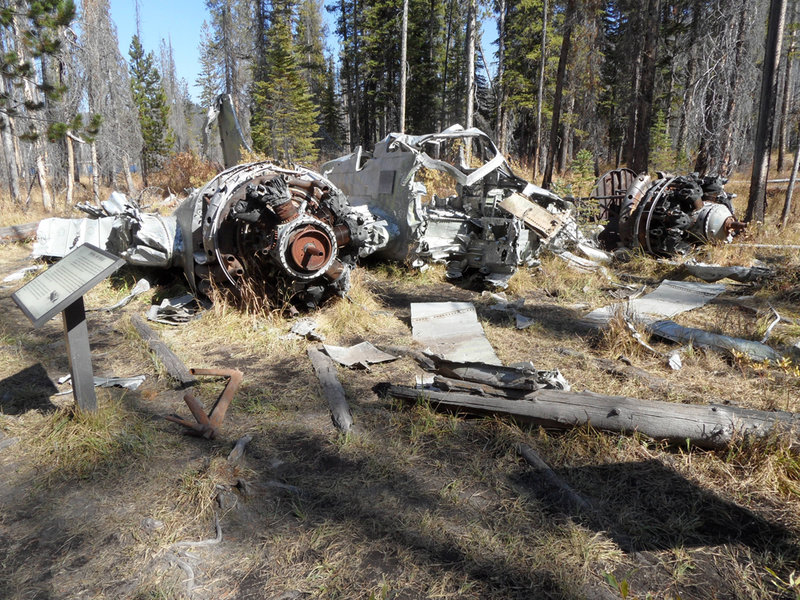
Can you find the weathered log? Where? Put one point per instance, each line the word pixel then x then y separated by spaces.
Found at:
pixel 709 426
pixel 174 365
pixel 238 449
pixel 18 233
pixel 448 384
pixel 333 391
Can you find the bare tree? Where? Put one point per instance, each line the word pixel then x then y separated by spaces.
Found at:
pixel 109 95
pixel 562 68
pixel 177 97
pixel 757 201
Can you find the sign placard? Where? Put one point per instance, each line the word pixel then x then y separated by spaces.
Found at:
pixel 59 286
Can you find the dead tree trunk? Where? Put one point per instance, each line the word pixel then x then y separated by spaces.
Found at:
pixel 95 175
pixel 403 60
pixel 787 204
pixel 10 159
pixel 705 426
pixel 566 44
pixel 70 169
pixel 757 200
pixel 644 110
pixel 537 151
pixel 786 96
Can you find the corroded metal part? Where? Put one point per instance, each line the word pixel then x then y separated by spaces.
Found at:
pixel 208 426
pixel 260 223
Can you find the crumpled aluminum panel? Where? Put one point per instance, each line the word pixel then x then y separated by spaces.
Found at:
pixel 452 330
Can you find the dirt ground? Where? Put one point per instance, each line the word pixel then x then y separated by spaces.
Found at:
pixel 414 503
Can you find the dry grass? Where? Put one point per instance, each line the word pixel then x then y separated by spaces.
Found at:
pixel 417 503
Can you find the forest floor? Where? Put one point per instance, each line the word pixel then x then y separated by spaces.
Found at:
pixel 414 503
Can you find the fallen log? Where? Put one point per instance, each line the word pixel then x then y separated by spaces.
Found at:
pixel 18 233
pixel 174 365
pixel 708 426
pixel 332 390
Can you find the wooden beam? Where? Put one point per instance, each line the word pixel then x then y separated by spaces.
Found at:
pixel 709 426
pixel 174 365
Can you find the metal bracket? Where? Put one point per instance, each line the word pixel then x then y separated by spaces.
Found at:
pixel 207 426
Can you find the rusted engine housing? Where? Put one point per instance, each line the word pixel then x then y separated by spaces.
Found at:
pixel 288 229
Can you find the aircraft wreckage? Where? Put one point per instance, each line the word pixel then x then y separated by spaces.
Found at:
pixel 487 223
pixel 294 233
pixel 664 216
pixel 255 226
pixel 259 226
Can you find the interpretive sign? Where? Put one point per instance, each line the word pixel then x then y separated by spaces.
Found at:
pixel 59 286
pixel 61 289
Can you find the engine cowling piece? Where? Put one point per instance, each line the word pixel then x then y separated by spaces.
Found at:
pixel 266 228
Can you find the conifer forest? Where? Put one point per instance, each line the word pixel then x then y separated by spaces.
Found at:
pixel 559 85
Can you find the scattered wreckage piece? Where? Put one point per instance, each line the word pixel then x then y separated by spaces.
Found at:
pixel 332 390
pixel 173 365
pixel 174 311
pixel 451 330
pixel 670 298
pixel 139 288
pixel 670 330
pixel 515 379
pixel 711 426
pixel 232 139
pixel 468 230
pixel 20 274
pixel 712 273
pixel 667 215
pixel 361 355
pixel 208 426
pixel 255 228
pixel 130 383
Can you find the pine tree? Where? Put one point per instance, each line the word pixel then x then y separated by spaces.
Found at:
pixel 151 103
pixel 36 27
pixel 330 113
pixel 284 115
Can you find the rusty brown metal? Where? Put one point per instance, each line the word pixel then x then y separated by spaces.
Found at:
pixel 207 426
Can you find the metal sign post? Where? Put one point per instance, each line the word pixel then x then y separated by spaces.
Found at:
pixel 60 289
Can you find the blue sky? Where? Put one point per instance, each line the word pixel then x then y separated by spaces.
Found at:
pixel 177 19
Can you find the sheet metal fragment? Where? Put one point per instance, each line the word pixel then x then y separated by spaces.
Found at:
pixel 451 330
pixel 362 355
pixel 668 299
